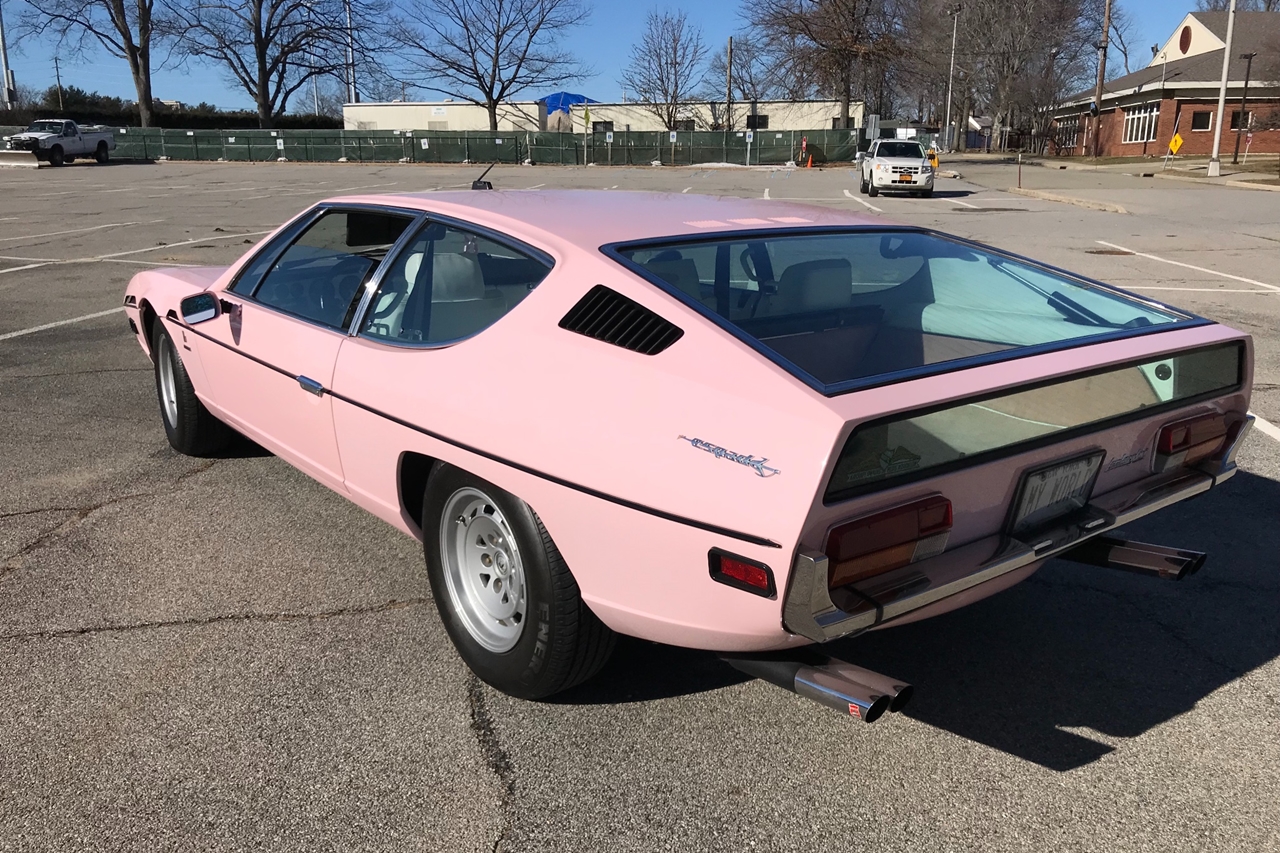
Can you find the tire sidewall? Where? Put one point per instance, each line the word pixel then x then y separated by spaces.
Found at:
pixel 526 670
pixel 175 432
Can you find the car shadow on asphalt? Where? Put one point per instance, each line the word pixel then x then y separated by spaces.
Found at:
pixel 1062 668
pixel 1077 656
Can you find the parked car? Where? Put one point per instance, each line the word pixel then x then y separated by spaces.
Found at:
pixel 896 165
pixel 57 141
pixel 719 423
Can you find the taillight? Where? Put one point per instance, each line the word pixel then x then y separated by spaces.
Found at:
pixel 741 573
pixel 888 540
pixel 1188 442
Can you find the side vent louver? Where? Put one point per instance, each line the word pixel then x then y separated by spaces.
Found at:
pixel 608 316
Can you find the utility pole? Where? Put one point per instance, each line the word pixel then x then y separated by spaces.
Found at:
pixel 1244 99
pixel 315 95
pixel 954 12
pixel 1215 165
pixel 57 74
pixel 8 89
pixel 728 86
pixel 1102 75
pixel 353 95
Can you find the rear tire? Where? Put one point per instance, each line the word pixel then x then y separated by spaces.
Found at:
pixel 102 155
pixel 506 597
pixel 192 429
pixel 927 193
pixel 56 157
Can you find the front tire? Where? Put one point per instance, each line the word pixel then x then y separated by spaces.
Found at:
pixel 863 186
pixel 506 597
pixel 56 157
pixel 872 190
pixel 192 429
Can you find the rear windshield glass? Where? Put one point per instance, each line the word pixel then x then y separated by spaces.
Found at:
pixel 859 304
pixel 909 446
pixel 900 149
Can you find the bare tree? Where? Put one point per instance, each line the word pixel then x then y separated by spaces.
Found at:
pixel 487 51
pixel 126 29
pixel 831 38
pixel 1241 5
pixel 666 65
pixel 271 48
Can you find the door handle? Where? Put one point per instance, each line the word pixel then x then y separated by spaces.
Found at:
pixel 311 386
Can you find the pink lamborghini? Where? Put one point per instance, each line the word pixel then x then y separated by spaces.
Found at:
pixel 728 424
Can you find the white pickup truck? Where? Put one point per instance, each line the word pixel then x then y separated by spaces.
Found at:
pixel 58 141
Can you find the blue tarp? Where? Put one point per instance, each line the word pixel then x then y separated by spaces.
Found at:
pixel 561 101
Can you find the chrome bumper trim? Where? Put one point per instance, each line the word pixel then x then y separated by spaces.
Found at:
pixel 813 611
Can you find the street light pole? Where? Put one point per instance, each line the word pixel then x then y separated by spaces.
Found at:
pixel 1215 165
pixel 954 12
pixel 7 87
pixel 1102 75
pixel 353 95
pixel 1244 99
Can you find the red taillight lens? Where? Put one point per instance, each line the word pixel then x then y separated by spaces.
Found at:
pixel 888 540
pixel 741 573
pixel 1187 442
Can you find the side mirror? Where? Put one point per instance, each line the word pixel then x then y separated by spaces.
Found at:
pixel 199 308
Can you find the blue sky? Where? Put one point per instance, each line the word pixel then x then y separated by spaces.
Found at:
pixel 604 44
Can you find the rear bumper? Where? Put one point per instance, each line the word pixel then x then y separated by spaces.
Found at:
pixel 819 614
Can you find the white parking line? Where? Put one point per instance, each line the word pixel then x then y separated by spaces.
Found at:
pixel 1271 287
pixel 7 335
pixel 865 204
pixel 536 187
pixel 1200 289
pixel 686 189
pixel 27 267
pixel 962 203
pixel 766 192
pixel 68 231
pixel 96 258
pixel 1266 427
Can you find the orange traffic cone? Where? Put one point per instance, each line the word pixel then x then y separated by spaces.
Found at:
pixel 809 165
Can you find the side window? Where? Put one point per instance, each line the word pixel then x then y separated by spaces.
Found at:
pixel 449 284
pixel 319 276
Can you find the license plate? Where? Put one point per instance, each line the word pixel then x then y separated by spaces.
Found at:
pixel 904 179
pixel 1053 491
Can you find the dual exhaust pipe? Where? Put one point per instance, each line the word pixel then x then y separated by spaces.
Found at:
pixel 835 683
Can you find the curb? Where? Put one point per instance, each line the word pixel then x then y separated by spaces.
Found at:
pixel 1251 185
pixel 1066 199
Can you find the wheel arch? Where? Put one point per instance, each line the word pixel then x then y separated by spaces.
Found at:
pixel 412 473
pixel 148 315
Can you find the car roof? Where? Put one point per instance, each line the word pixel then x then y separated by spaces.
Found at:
pixel 592 218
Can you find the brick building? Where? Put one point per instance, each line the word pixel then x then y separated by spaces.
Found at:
pixel 1179 90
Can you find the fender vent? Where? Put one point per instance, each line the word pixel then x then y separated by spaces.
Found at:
pixel 608 316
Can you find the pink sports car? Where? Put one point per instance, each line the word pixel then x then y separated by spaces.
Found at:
pixel 728 424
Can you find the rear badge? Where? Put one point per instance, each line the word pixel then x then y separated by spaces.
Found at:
pixel 1128 459
pixel 747 459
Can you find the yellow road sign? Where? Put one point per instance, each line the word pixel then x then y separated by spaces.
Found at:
pixel 1175 143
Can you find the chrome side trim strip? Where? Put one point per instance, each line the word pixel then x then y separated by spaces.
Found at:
pixel 813 611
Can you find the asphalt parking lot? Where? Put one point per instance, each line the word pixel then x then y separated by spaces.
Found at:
pixel 222 654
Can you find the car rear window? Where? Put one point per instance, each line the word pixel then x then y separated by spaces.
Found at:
pixel 848 309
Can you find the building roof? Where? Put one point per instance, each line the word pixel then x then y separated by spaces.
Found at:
pixel 1255 32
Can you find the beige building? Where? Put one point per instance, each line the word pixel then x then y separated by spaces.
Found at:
pixel 532 116
pixel 441 115
pixel 769 115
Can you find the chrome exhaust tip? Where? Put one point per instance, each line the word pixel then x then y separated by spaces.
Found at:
pixel 1108 552
pixel 847 688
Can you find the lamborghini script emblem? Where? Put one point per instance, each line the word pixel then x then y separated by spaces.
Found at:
pixel 747 459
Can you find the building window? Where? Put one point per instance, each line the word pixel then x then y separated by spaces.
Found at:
pixel 602 127
pixel 1140 123
pixel 1068 133
pixel 759 121
pixel 1235 119
pixel 1202 120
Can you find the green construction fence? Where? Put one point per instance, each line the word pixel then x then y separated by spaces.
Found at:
pixel 619 148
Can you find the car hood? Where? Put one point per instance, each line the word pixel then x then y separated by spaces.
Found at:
pixel 28 135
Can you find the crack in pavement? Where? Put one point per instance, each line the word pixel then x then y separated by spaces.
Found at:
pixel 79 372
pixel 494 755
pixel 1130 604
pixel 203 621
pixel 14 561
